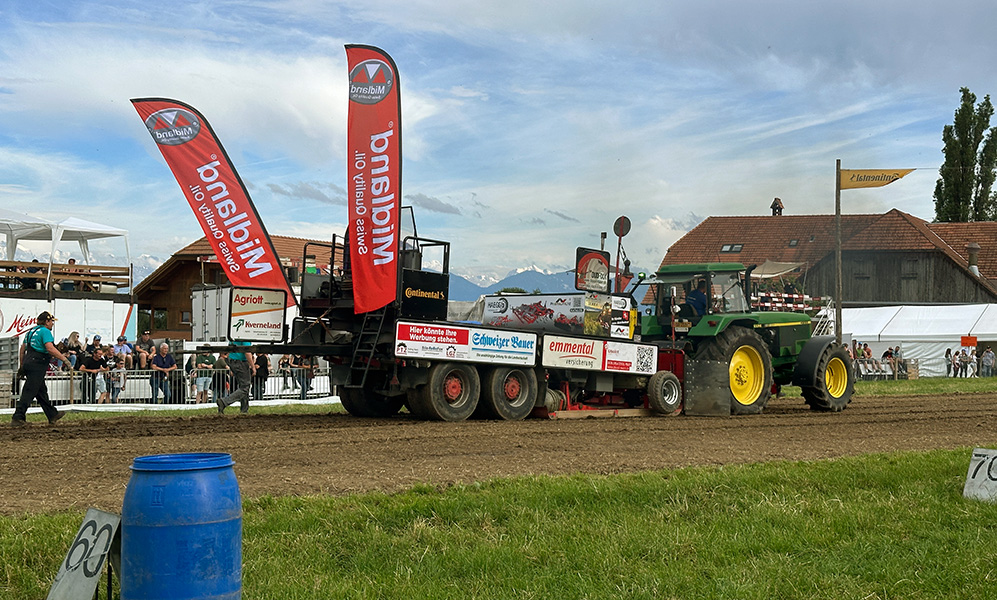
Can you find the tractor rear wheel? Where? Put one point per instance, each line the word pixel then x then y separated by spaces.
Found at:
pixel 835 382
pixel 664 393
pixel 749 363
pixel 509 393
pixel 451 394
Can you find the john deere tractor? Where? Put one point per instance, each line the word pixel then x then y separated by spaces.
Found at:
pixel 761 350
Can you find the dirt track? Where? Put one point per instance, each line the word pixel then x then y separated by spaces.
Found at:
pixel 83 463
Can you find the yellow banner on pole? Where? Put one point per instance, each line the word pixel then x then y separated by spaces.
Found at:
pixel 864 178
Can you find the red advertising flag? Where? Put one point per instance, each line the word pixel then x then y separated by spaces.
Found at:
pixel 374 170
pixel 215 193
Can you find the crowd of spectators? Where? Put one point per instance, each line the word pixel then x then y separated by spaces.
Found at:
pixel 959 363
pixel 104 370
pixel 891 362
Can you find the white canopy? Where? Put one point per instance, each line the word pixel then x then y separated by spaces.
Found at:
pixel 771 268
pixel 15 226
pixel 19 226
pixel 922 332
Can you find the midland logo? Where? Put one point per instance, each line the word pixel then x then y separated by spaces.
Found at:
pixel 371 82
pixel 173 126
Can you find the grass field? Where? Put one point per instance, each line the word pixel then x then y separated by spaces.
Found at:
pixel 879 526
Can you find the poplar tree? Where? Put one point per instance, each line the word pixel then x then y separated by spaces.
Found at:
pixel 963 190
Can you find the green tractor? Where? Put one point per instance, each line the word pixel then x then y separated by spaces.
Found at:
pixel 761 350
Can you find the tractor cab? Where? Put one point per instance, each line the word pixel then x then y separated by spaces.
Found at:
pixel 684 294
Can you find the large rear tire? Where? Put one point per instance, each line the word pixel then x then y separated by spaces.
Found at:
pixel 368 403
pixel 451 394
pixel 835 381
pixel 749 363
pixel 351 399
pixel 664 393
pixel 509 393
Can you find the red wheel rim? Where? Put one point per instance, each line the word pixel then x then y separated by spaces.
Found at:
pixel 512 387
pixel 453 387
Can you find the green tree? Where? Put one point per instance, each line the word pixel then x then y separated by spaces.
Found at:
pixel 511 290
pixel 963 190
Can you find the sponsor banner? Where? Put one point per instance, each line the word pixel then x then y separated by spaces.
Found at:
pixel 588 313
pixel 638 359
pixel 865 178
pixel 469 344
pixel 573 353
pixel 257 315
pixel 424 294
pixel 215 193
pixel 88 317
pixel 598 355
pixel 539 312
pixel 374 176
pixel 591 270
pixel 609 316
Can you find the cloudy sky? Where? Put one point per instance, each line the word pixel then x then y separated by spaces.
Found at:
pixel 529 127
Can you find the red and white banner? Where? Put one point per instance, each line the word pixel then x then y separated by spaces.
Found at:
pixel 215 193
pixel 599 355
pixel 374 171
pixel 471 344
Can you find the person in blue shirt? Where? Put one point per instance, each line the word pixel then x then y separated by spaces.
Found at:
pixel 697 298
pixel 243 367
pixel 39 344
pixel 163 364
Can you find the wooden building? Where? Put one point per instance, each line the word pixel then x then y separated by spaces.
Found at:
pixel 890 258
pixel 164 297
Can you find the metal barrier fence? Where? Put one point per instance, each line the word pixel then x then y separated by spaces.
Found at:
pixel 135 387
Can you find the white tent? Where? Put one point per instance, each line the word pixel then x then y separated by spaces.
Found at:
pixel 15 226
pixel 922 332
pixel 20 227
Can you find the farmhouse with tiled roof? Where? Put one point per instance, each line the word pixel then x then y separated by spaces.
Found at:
pixel 890 258
pixel 166 293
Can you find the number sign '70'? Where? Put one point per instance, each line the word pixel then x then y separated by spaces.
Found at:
pixel 981 479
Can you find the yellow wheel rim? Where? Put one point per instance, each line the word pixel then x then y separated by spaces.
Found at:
pixel 836 377
pixel 747 375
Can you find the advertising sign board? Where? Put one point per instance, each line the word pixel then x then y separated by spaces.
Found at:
pixel 598 355
pixel 257 315
pixel 471 344
pixel 589 313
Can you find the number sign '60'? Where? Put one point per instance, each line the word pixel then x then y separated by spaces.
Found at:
pixel 981 479
pixel 79 574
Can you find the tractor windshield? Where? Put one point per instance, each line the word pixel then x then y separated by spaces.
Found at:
pixel 728 293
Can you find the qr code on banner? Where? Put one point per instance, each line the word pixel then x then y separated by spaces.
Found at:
pixel 645 359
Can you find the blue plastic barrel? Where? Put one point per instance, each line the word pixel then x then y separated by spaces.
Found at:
pixel 181 529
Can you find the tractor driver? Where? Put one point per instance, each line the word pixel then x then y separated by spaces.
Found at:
pixel 697 298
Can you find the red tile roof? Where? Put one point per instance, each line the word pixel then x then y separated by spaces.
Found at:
pixel 958 235
pixel 786 238
pixel 289 249
pixel 810 238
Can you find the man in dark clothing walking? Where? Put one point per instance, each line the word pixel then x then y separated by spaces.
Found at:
pixel 38 344
pixel 243 367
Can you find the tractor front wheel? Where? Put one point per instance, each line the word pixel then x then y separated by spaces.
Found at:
pixel 664 393
pixel 749 364
pixel 834 383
